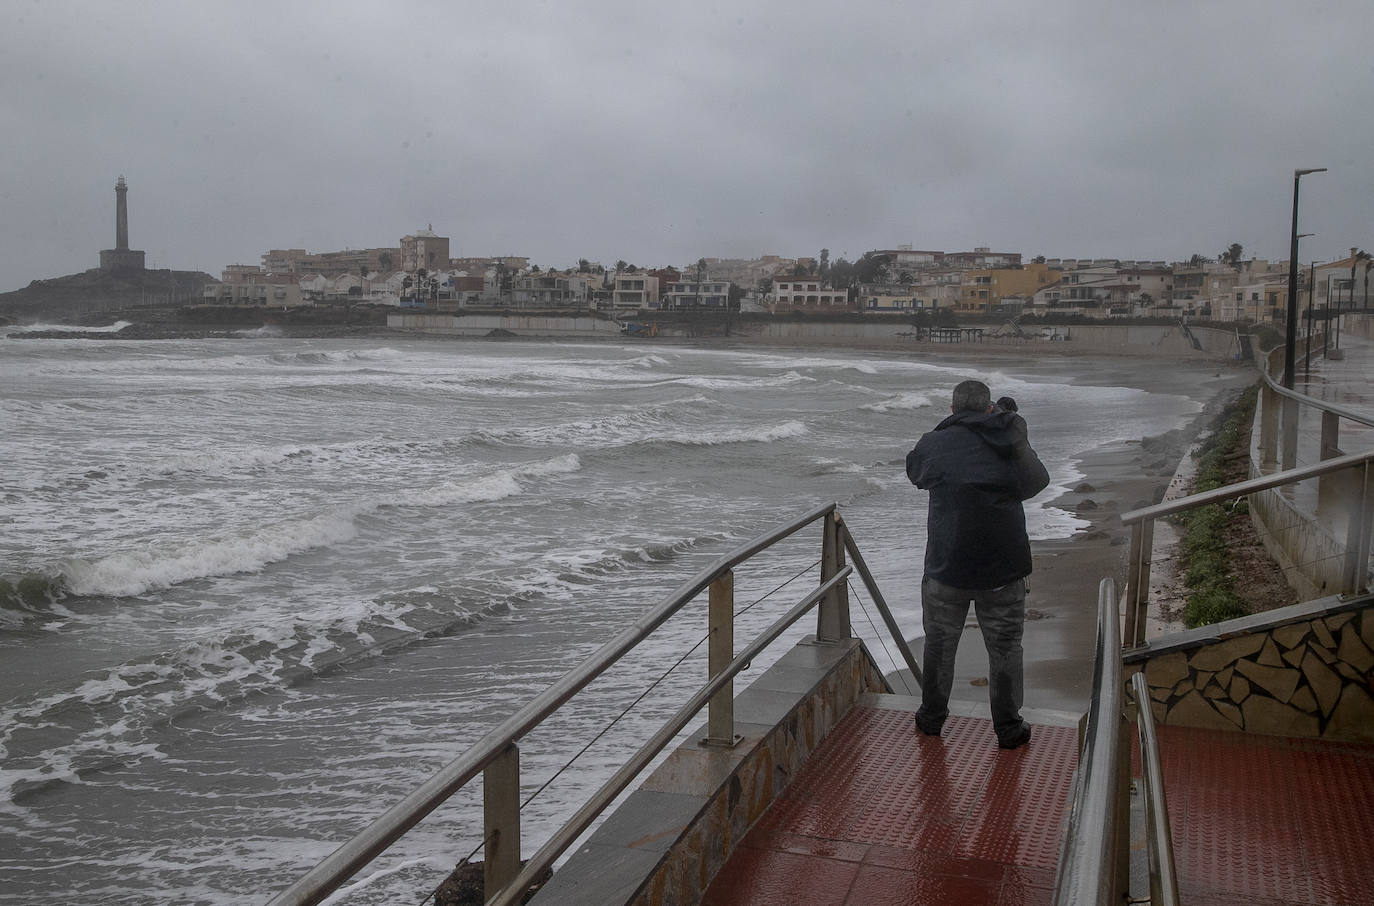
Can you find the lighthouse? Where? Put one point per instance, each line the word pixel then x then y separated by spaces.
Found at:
pixel 121 257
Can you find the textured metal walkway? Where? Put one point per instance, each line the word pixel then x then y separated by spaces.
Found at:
pixel 1269 820
pixel 883 815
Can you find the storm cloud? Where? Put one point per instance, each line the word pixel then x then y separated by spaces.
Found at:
pixel 662 133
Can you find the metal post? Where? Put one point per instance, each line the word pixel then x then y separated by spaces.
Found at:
pixel 832 619
pixel 501 817
pixel 720 713
pixel 1269 427
pixel 1122 881
pixel 1292 325
pixel 1289 453
pixel 1138 584
pixel 1331 435
pixel 1307 359
pixel 1359 528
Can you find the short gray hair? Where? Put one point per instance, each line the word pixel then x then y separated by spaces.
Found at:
pixel 972 396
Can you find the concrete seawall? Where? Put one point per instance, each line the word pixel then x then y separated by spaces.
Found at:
pixel 1167 340
pixel 1175 340
pixel 517 325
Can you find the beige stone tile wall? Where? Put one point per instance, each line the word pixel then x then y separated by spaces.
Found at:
pixel 1310 677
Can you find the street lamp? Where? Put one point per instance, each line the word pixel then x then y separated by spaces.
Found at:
pixel 1292 332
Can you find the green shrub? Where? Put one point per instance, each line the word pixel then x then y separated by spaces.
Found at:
pixel 1204 558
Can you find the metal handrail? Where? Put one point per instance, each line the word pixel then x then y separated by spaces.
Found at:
pixel 1243 488
pixel 1088 873
pixel 583 818
pixel 880 602
pixel 1325 406
pixel 1142 521
pixel 385 830
pixel 1159 840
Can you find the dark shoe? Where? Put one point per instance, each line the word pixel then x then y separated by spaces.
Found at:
pixel 928 727
pixel 1016 739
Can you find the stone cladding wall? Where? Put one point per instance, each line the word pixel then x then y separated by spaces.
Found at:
pixel 1305 670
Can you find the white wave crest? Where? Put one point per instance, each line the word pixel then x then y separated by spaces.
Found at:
pixel 905 401
pixel 486 488
pixel 129 574
pixel 116 327
pixel 741 436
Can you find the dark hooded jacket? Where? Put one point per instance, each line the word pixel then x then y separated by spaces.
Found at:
pixel 978 467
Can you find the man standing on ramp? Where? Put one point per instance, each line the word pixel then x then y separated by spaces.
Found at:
pixel 978 466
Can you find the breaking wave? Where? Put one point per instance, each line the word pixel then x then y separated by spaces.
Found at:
pixel 132 573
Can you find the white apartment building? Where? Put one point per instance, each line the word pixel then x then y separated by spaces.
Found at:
pixel 688 293
pixel 799 293
pixel 634 292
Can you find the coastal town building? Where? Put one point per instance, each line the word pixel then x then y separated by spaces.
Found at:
pixel 301 263
pixel 259 295
pixel 634 292
pixel 549 290
pixel 808 294
pixel 692 293
pixel 906 298
pixel 424 249
pixel 985 289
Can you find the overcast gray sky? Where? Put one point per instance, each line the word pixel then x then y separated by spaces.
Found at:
pixel 660 133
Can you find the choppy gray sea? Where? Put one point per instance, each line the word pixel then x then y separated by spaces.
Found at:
pixel 252 591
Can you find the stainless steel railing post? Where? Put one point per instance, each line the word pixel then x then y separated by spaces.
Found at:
pixel 1090 861
pixel 1359 527
pixel 1289 454
pixel 880 602
pixel 501 819
pixel 1331 435
pixel 832 619
pixel 1269 427
pixel 1138 583
pixel 1159 840
pixel 720 651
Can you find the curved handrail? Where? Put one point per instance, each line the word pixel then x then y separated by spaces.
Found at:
pixel 1160 845
pixel 1312 401
pixel 1243 488
pixel 1087 874
pixel 374 839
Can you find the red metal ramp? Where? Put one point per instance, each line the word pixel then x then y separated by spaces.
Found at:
pixel 881 814
pixel 1269 820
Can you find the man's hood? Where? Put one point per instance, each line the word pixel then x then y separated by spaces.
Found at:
pixel 999 429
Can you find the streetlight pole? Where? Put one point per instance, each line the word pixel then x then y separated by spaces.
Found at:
pixel 1292 331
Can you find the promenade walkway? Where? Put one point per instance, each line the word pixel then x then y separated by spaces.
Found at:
pixel 1348 382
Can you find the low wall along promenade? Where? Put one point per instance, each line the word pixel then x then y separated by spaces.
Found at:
pixel 1170 340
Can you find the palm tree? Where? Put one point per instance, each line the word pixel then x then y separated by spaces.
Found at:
pixel 1367 262
pixel 1355 258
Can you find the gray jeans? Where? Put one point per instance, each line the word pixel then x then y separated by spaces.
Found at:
pixel 1001 617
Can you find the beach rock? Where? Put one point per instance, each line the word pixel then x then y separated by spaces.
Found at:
pixel 1087 506
pixel 1084 488
pixel 464 887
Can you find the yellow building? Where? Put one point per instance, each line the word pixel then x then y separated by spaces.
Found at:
pixel 983 289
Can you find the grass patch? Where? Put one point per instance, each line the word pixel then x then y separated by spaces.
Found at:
pixel 1206 563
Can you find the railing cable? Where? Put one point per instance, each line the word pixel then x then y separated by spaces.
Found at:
pixel 897 671
pixel 650 688
pixel 746 608
pixel 628 708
